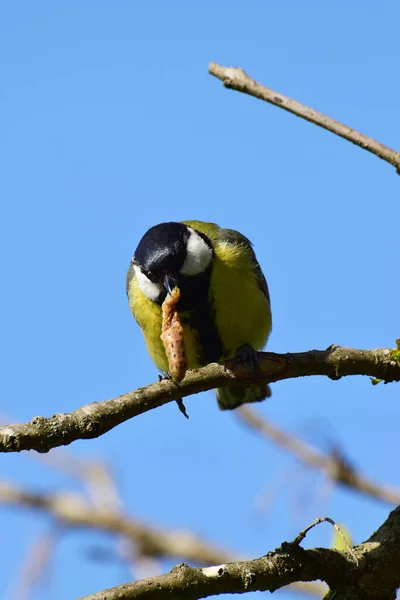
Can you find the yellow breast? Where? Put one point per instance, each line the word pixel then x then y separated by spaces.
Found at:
pixel 148 314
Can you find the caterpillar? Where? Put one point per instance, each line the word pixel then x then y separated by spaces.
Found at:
pixel 172 336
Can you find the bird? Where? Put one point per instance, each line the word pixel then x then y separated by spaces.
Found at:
pixel 224 304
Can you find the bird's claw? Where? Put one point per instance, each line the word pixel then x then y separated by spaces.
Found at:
pixel 248 355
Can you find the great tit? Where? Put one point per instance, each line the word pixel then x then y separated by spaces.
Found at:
pixel 224 302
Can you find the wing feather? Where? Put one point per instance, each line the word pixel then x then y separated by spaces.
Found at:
pixel 235 237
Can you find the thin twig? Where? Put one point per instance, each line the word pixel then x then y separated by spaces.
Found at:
pixel 93 420
pixel 237 79
pixel 300 537
pixel 332 465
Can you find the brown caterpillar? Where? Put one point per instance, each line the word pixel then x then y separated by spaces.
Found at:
pixel 172 336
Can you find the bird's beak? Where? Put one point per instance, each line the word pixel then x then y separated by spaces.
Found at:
pixel 169 283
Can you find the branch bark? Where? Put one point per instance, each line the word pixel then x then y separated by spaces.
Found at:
pixel 92 420
pixel 277 569
pixel 374 575
pixel 237 79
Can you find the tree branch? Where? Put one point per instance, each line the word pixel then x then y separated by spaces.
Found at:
pixel 333 465
pixel 236 79
pixel 374 575
pixel 277 569
pixel 72 511
pixel 69 510
pixel 92 420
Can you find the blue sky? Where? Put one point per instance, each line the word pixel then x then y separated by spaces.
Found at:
pixel 111 124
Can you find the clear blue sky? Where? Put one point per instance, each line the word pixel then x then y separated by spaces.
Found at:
pixel 110 124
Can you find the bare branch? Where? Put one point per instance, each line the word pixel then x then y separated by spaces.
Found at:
pixel 236 79
pixel 93 420
pixel 71 510
pixel 374 575
pixel 332 465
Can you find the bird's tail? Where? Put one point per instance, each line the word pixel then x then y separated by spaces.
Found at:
pixel 232 397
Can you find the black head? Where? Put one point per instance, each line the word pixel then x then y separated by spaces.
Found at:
pixel 162 249
pixel 166 255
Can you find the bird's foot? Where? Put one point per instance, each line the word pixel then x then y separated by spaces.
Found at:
pixel 247 355
pixel 165 375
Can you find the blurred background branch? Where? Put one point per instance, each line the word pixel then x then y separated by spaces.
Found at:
pixel 335 465
pixel 71 510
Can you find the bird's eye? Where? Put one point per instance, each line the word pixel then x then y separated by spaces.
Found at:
pixel 150 276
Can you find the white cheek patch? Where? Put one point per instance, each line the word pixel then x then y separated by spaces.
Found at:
pixel 198 255
pixel 150 289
